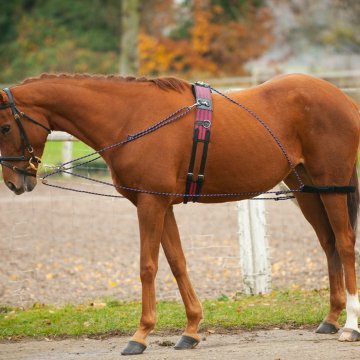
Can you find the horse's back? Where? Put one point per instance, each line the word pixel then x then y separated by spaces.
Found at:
pixel 313 121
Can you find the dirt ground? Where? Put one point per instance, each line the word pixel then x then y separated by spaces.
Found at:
pixel 256 345
pixel 58 247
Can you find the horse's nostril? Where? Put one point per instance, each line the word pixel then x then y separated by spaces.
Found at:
pixel 10 185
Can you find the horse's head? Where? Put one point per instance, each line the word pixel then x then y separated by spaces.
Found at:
pixel 22 141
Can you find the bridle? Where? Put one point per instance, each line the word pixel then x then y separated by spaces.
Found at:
pixel 33 160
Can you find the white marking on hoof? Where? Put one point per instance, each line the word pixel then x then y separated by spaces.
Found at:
pixel 349 335
pixel 352 312
pixel 351 329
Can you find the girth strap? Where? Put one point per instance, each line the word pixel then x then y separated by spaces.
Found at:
pixel 327 189
pixel 202 131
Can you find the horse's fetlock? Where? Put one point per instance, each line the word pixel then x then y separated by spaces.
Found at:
pixel 195 314
pixel 148 322
pixel 338 303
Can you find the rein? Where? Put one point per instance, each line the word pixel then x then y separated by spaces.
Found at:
pixel 69 165
pixel 33 160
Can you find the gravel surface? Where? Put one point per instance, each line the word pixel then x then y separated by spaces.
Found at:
pixel 255 345
pixel 59 247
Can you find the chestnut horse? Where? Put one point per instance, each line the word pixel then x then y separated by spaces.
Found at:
pixel 315 122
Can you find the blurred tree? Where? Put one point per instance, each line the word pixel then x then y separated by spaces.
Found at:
pixel 157 16
pixel 203 37
pixel 129 62
pixel 51 35
pixel 185 37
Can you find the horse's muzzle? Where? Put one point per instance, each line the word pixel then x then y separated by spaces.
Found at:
pixel 26 184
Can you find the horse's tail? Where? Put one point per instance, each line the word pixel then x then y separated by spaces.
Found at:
pixel 353 199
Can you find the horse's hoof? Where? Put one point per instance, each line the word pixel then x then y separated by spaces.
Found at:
pixel 326 328
pixel 133 348
pixel 349 335
pixel 186 342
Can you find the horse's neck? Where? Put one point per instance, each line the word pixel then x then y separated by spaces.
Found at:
pixel 86 112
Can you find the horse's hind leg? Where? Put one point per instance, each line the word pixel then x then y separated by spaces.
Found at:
pixel 173 251
pixel 337 209
pixel 314 211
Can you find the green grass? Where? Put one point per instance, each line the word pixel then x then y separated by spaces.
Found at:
pixel 285 308
pixel 53 152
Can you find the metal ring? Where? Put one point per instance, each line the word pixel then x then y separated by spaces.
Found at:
pixel 206 124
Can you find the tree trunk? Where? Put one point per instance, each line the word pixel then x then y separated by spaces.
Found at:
pixel 129 60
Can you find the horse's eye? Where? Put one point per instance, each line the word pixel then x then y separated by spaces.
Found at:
pixel 5 129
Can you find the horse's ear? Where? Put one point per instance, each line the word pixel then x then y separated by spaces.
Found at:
pixel 2 98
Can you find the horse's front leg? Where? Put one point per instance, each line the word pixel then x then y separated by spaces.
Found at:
pixel 172 247
pixel 151 212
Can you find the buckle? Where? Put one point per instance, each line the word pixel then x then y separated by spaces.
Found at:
pixel 202 83
pixel 205 104
pixel 200 178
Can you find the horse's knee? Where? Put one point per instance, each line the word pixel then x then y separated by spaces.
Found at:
pixel 148 272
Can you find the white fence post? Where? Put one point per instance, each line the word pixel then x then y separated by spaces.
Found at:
pixel 254 258
pixel 67 147
pixel 67 151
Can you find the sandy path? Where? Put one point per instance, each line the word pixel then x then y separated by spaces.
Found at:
pixel 255 345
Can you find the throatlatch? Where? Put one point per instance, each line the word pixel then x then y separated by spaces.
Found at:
pixel 202 131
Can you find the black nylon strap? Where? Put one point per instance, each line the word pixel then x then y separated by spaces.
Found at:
pixel 23 135
pixel 327 189
pixel 200 178
pixel 190 175
pixel 27 117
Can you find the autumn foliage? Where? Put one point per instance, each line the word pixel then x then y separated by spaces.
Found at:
pixel 213 43
pixel 188 38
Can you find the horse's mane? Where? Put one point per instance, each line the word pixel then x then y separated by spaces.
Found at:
pixel 165 83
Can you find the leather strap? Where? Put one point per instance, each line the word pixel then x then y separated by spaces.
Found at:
pixel 328 189
pixel 202 132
